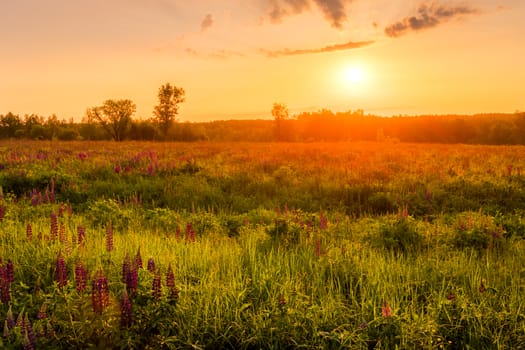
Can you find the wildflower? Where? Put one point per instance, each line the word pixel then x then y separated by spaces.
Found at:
pixel 117 169
pixel 138 260
pixel 81 231
pixel 125 310
pixel 126 267
pixel 6 330
pixel 386 311
pixel 62 233
pixel 29 337
pixel 151 265
pixel 80 277
pixel 2 212
pixel 99 292
pixel 482 287
pixel 54 226
pixel 323 221
pixel 178 234
pixel 317 248
pixel 42 314
pixel 10 320
pixel 451 296
pixel 170 283
pixel 156 287
pixel 109 238
pixel 10 271
pixel 29 232
pixel 60 271
pixel 190 233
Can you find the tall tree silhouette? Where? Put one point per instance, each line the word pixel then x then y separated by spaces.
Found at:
pixel 166 111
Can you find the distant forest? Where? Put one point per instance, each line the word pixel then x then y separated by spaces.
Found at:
pixel 324 125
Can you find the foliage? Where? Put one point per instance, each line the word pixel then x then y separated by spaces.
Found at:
pixel 114 116
pixel 166 111
pixel 258 246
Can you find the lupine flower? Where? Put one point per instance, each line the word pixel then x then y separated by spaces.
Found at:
pixel 109 238
pixel 99 292
pixel 190 233
pixel 151 265
pixel 6 330
pixel 60 210
pixel 317 248
pixel 50 332
pixel 156 287
pixel 69 210
pixel 125 310
pixel 117 169
pixel 170 283
pixel 386 311
pixel 323 221
pixel 2 212
pixel 20 319
pixel 29 337
pixel 62 233
pixel 42 314
pixel 10 271
pixel 126 267
pixel 60 271
pixel 29 232
pixel 178 234
pixel 10 320
pixel 80 277
pixel 81 235
pixel 132 280
pixel 54 226
pixel 138 260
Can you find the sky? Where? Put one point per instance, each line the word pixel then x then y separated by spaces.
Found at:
pixel 236 58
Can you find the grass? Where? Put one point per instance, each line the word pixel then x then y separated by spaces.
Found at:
pixel 411 277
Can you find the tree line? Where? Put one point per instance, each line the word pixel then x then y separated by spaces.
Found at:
pixel 113 120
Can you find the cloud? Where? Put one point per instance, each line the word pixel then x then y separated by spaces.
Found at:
pixel 334 10
pixel 337 47
pixel 216 55
pixel 428 16
pixel 207 22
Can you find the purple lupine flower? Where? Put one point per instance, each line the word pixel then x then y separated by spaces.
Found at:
pixel 126 267
pixel 29 232
pixel 125 310
pixel 138 260
pixel 29 343
pixel 99 292
pixel 80 277
pixel 54 226
pixel 156 287
pixel 60 271
pixel 2 212
pixel 5 285
pixel 81 235
pixel 62 233
pixel 323 221
pixel 109 238
pixel 10 319
pixel 178 234
pixel 10 271
pixel 170 283
pixel 42 312
pixel 190 233
pixel 151 265
pixel 132 280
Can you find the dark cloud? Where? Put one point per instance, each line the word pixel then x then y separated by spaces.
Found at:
pixel 337 47
pixel 334 10
pixel 207 22
pixel 428 16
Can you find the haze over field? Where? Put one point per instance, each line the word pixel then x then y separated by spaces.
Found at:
pixel 235 58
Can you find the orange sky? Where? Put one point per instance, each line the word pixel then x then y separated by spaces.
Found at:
pixel 235 58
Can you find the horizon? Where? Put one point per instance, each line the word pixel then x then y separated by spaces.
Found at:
pixel 235 59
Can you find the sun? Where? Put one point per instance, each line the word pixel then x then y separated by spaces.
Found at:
pixel 354 74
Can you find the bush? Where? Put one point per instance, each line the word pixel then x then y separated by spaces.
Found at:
pixel 400 236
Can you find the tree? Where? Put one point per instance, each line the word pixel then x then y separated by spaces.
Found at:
pixel 280 115
pixel 114 116
pixel 166 111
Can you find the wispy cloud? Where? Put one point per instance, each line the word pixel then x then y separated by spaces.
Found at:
pixel 217 54
pixel 207 22
pixel 337 47
pixel 334 10
pixel 427 16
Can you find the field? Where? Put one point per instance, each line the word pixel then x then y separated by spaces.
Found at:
pixel 261 245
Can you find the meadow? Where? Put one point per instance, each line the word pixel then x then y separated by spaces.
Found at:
pixel 362 245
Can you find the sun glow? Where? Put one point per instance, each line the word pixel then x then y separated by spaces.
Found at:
pixel 354 75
